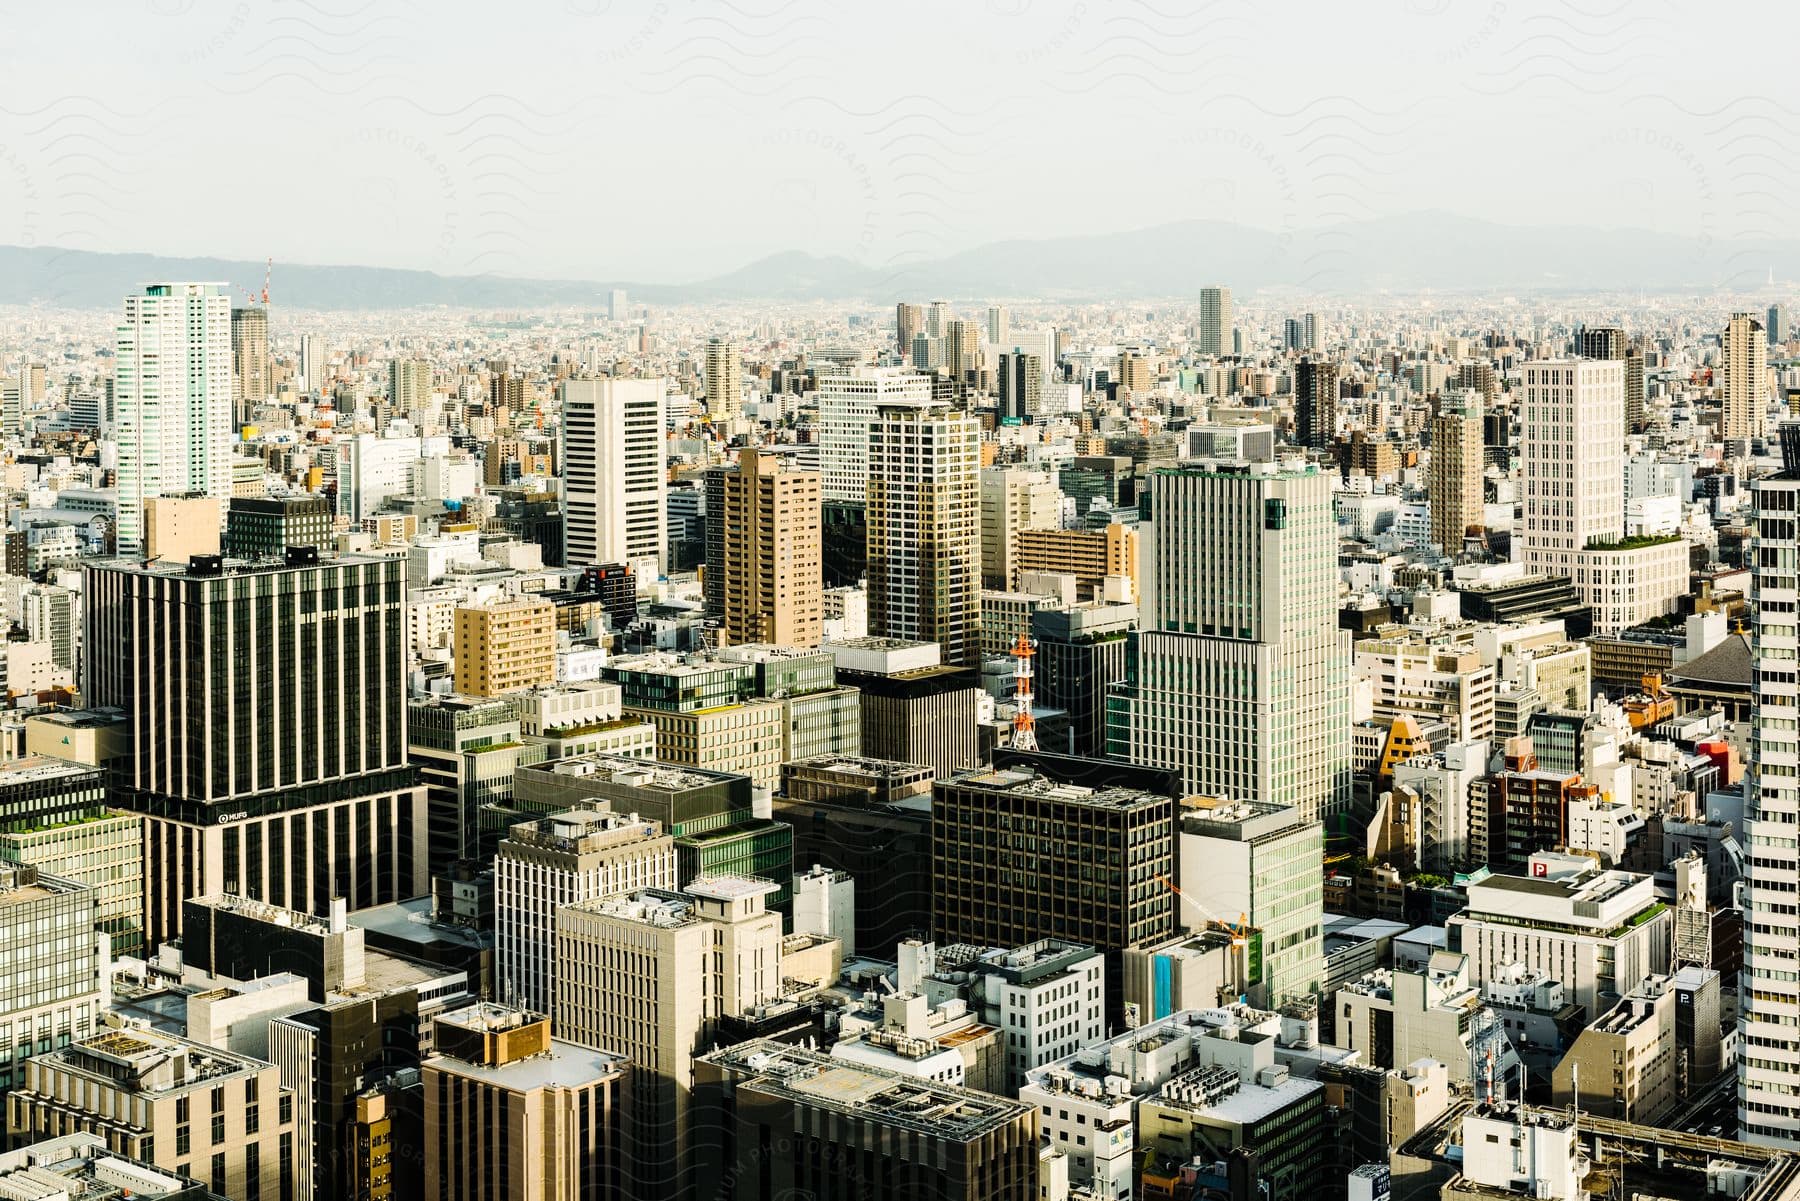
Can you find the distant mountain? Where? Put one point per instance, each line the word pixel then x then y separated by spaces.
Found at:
pixel 1420 251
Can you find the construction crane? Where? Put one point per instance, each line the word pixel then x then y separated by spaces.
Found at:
pixel 268 270
pixel 1239 936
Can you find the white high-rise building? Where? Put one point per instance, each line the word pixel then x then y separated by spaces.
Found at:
pixel 1572 423
pixel 925 528
pixel 937 315
pixel 1744 351
pixel 370 469
pixel 615 480
pixel 312 363
pixel 577 855
pixel 1215 321
pixel 998 319
pixel 172 400
pixel 1243 680
pixel 1769 995
pixel 847 405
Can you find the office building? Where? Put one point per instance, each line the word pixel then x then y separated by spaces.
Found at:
pixel 706 713
pixel 1393 1017
pixel 614 482
pixel 1018 856
pixel 1624 1063
pixel 250 380
pixel 1260 865
pixel 869 820
pixel 924 532
pixel 1088 1102
pixel 999 321
pixel 648 975
pixel 56 979
pixel 1600 932
pixel 1216 322
pixel 1080 656
pixel 263 527
pixel 505 647
pixel 1013 500
pixel 172 400
pixel 53 817
pixel 847 408
pixel 512 1114
pixel 1454 481
pixel 266 705
pixel 1768 1057
pixel 915 709
pixel 724 381
pixel 928 1139
pixel 371 470
pixel 1573 445
pixel 467 750
pixel 1315 403
pixel 1242 679
pixel 1743 360
pixel 221 1118
pixel 547 864
pixel 763 573
pixel 1777 324
pixel 1412 675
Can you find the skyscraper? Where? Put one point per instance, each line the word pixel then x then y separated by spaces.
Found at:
pixel 1743 360
pixel 1292 334
pixel 1769 1065
pixel 724 380
pixel 762 566
pixel 1021 384
pixel 409 384
pixel 847 405
pixel 614 479
pixel 1573 446
pixel 249 358
pixel 1215 321
pixel 1777 325
pixel 1309 332
pixel 1634 389
pixel 962 350
pixel 267 710
pixel 1454 484
pixel 909 319
pixel 172 400
pixel 312 363
pixel 1315 403
pixel 1602 342
pixel 618 305
pixel 924 530
pixel 998 321
pixel 1243 677
pixel 937 318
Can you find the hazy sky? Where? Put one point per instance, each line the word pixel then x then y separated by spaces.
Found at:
pixel 669 140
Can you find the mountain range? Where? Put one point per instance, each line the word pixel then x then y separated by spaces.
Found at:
pixel 1418 252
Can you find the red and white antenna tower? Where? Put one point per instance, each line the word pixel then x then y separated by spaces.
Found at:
pixel 1024 724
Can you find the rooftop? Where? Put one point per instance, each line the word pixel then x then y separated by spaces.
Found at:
pixel 78 1167
pixel 564 1065
pixel 868 1094
pixel 1023 781
pixel 40 767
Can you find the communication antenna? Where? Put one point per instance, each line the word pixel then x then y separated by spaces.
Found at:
pixel 1024 724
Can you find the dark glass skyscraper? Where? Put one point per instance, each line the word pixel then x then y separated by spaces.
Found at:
pixel 267 708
